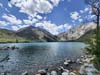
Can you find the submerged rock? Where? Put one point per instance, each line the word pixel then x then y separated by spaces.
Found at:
pixel 4 48
pixel 5 59
pixel 14 47
pixel 5 73
pixel 9 48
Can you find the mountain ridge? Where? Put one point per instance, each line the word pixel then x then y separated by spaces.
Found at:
pixel 27 34
pixel 77 32
pixel 35 34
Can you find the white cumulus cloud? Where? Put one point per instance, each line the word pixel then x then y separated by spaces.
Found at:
pixel 11 19
pixel 15 28
pixel 75 15
pixel 52 28
pixel 30 21
pixel 82 11
pixel 3 23
pixel 87 9
pixel 33 7
pixel 55 2
pixel 39 17
pixel 80 20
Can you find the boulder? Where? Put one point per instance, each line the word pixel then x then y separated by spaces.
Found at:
pixel 53 73
pixel 87 69
pixel 79 61
pixel 42 72
pixel 66 63
pixel 72 73
pixel 65 73
pixel 82 70
pixel 25 73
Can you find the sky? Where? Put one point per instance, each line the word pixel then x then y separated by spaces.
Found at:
pixel 56 16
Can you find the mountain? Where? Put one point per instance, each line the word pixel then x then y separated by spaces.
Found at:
pixel 36 34
pixel 78 33
pixel 10 36
pixel 27 34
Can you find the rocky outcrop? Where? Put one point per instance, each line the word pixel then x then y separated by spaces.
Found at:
pixel 77 32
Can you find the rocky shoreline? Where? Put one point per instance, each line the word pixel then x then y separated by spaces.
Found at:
pixel 83 66
pixel 80 66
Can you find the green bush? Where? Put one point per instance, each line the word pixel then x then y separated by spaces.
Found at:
pixel 94 49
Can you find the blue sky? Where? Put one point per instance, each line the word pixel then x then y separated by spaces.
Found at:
pixel 55 16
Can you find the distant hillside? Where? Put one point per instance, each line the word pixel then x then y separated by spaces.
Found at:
pixel 10 36
pixel 79 33
pixel 36 34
